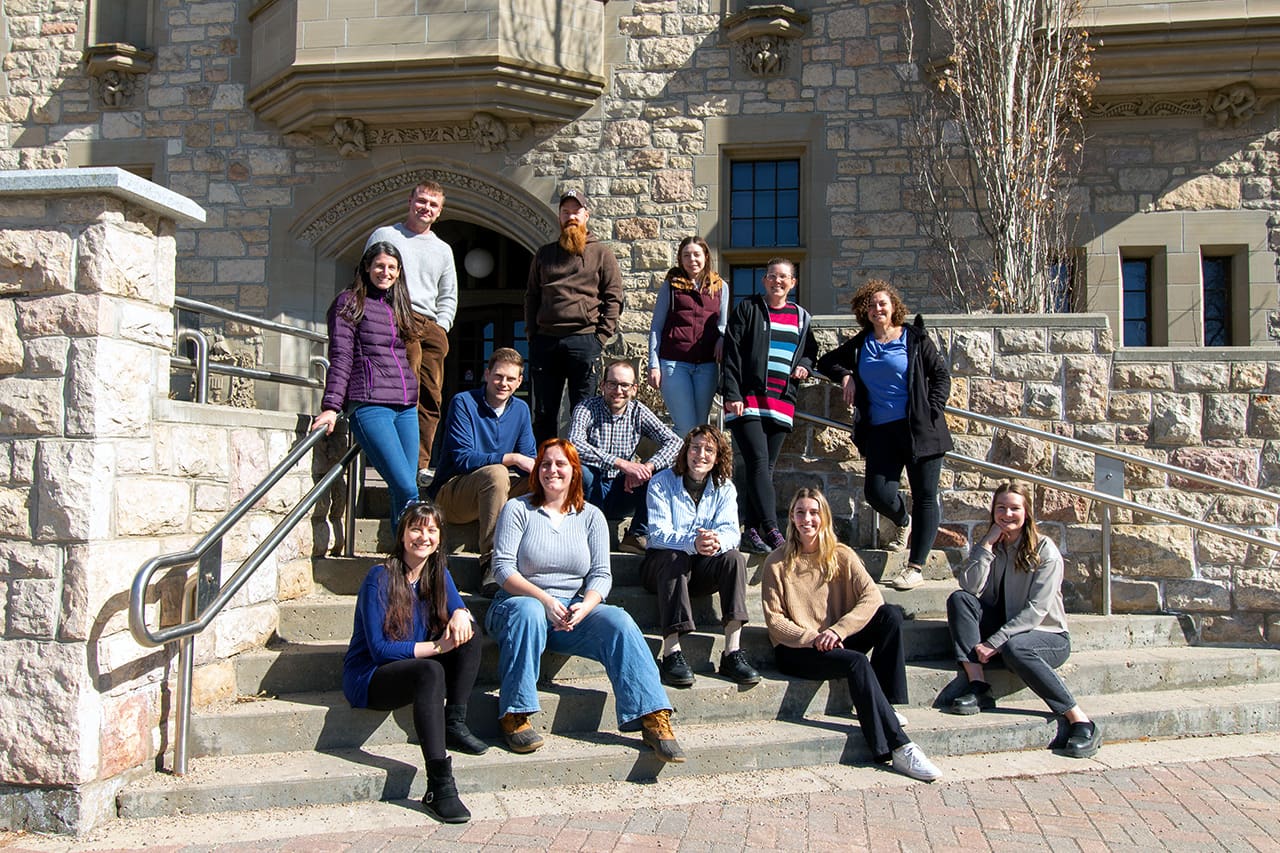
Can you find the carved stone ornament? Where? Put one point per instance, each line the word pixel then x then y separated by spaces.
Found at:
pixel 488 134
pixel 761 36
pixel 349 138
pixel 1233 105
pixel 116 71
pixel 1226 107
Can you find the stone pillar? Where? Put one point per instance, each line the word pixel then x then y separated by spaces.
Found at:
pixel 86 330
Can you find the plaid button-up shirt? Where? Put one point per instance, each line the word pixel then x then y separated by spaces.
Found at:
pixel 602 437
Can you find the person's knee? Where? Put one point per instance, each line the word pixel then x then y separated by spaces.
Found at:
pixel 890 616
pixel 962 599
pixel 491 479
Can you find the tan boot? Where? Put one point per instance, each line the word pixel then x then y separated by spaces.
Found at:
pixel 519 733
pixel 659 737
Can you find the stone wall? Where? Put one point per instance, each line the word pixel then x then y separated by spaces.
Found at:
pixel 1215 412
pixel 99 472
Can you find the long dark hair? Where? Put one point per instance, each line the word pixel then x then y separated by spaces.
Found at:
pixel 362 286
pixel 723 469
pixel 398 623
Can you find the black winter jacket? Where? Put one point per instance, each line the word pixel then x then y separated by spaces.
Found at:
pixel 928 387
pixel 744 364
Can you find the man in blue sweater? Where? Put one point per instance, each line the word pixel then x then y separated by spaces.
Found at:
pixel 487 453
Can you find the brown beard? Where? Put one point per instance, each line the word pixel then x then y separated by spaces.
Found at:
pixel 573 238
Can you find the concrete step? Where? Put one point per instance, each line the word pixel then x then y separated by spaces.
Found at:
pixel 394 771
pixel 324 721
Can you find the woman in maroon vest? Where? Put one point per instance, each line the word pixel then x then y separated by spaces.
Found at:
pixel 684 338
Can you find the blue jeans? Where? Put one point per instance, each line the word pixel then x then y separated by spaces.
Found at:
pixel 608 634
pixel 388 435
pixel 615 501
pixel 688 390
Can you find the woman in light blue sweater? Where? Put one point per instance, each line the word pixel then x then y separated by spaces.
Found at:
pixel 551 562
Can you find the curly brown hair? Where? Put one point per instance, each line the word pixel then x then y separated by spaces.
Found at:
pixel 723 469
pixel 861 302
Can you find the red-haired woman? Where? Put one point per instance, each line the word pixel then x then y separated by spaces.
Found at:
pixel 551 562
pixel 413 643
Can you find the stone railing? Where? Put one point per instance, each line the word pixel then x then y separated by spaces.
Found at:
pixel 101 471
pixel 1215 411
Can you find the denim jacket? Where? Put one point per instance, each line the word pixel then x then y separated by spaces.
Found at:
pixel 674 519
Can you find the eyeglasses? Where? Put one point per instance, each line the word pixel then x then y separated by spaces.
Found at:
pixel 776 277
pixel 621 386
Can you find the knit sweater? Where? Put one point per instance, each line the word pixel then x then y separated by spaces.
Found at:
pixel 564 560
pixel 799 605
pixel 428 271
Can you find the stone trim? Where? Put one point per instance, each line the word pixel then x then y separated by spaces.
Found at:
pixel 110 180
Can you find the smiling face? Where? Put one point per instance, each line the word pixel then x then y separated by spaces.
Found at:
pixel 693 260
pixel 779 280
pixel 806 519
pixel 619 387
pixel 421 539
pixel 1009 513
pixel 555 472
pixel 880 310
pixel 383 271
pixel 702 457
pixel 500 382
pixel 424 209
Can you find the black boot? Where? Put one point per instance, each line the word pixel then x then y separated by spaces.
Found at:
pixel 441 800
pixel 456 734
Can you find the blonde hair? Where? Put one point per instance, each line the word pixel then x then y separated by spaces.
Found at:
pixel 828 545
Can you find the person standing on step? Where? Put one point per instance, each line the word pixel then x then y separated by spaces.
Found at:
pixel 487 453
pixel 433 294
pixel 414 643
pixel 1009 610
pixel 686 334
pixel 693 550
pixel 825 616
pixel 551 557
pixel 369 372
pixel 768 349
pixel 898 385
pixel 606 430
pixel 573 300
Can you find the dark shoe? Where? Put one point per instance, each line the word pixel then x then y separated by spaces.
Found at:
pixel 774 539
pixel 752 542
pixel 519 733
pixel 977 698
pixel 736 667
pixel 1084 740
pixel 488 585
pixel 456 734
pixel 659 737
pixel 633 544
pixel 676 671
pixel 441 800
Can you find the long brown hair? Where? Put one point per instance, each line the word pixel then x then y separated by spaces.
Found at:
pixel 1028 556
pixel 828 544
pixel 861 302
pixel 723 469
pixel 362 287
pixel 707 280
pixel 398 624
pixel 574 499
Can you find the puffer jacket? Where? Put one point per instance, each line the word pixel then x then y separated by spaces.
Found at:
pixel 367 362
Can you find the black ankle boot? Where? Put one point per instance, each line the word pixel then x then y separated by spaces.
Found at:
pixel 456 734
pixel 441 800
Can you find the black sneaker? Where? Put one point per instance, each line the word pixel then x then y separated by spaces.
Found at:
pixel 977 698
pixel 676 671
pixel 736 667
pixel 774 539
pixel 753 543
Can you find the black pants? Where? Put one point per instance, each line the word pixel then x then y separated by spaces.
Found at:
pixel 875 685
pixel 1032 655
pixel 888 452
pixel 554 362
pixel 675 575
pixel 758 442
pixel 427 684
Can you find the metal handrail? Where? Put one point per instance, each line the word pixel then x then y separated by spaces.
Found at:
pixel 226 314
pixel 205 595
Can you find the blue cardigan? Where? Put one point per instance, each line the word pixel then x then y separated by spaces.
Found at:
pixel 370 648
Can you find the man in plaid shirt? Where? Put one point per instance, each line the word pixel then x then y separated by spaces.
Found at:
pixel 606 430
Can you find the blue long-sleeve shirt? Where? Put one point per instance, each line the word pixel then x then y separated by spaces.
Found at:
pixel 370 648
pixel 674 519
pixel 476 436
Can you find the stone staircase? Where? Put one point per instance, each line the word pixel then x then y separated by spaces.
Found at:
pixel 291 738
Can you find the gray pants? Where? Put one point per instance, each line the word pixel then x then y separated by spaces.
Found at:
pixel 1032 655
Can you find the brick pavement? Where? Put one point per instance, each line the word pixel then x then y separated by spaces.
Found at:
pixel 1231 803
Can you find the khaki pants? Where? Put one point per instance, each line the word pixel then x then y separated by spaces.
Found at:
pixel 478 496
pixel 426 353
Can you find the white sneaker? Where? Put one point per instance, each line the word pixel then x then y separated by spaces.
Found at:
pixel 910 578
pixel 425 475
pixel 901 538
pixel 909 760
pixel 902 721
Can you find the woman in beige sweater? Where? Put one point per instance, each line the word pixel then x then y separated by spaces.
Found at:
pixel 825 615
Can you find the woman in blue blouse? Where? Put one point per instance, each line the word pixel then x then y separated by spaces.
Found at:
pixel 413 643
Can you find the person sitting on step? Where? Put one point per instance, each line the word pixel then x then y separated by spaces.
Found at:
pixel 1009 610
pixel 414 643
pixel 825 615
pixel 693 549
pixel 551 559
pixel 606 430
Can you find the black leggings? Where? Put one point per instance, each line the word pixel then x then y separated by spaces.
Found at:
pixel 758 442
pixel 888 451
pixel 427 684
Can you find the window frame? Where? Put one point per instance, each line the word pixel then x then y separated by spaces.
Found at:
pixel 757 256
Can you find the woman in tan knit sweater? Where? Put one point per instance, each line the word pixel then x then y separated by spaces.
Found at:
pixel 825 615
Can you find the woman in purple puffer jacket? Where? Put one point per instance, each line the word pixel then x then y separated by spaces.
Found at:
pixel 369 375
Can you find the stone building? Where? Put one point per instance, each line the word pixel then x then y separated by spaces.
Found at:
pixel 297 126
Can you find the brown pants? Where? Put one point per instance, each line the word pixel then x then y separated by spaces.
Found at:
pixel 675 575
pixel 426 352
pixel 478 496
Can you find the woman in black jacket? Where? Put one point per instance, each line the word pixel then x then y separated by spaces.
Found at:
pixel 897 383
